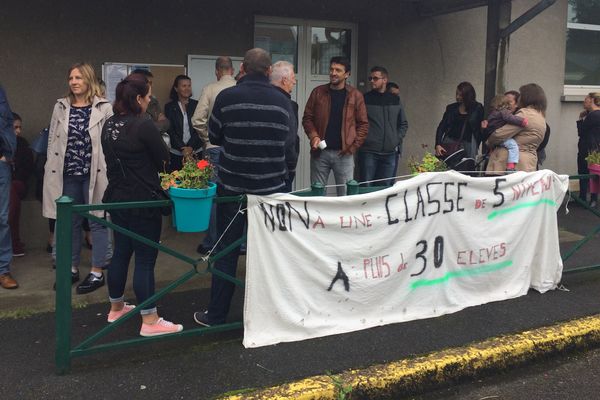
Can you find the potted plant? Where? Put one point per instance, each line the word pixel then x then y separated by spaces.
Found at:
pixel 429 163
pixel 192 193
pixel 593 160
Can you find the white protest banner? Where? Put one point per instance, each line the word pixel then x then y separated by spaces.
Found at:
pixel 428 246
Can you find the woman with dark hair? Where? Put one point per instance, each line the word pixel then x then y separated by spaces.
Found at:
pixel 75 166
pixel 588 128
pixel 135 154
pixel 460 126
pixel 532 106
pixel 184 139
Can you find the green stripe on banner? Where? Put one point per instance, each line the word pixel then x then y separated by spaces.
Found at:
pixel 495 214
pixel 484 269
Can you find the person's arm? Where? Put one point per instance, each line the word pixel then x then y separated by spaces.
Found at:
pixel 441 130
pixel 52 129
pixel 200 117
pixel 512 119
pixel 361 121
pixel 172 114
pixel 291 156
pixel 308 121
pixel 477 118
pixel 149 135
pixel 402 123
pixel 160 120
pixel 215 123
pixel 505 132
pixel 8 139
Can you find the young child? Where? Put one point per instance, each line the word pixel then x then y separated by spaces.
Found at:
pixel 501 115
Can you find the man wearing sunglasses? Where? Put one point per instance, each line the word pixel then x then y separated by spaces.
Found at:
pixel 335 121
pixel 387 128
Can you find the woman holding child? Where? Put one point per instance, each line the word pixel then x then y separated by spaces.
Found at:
pixel 528 136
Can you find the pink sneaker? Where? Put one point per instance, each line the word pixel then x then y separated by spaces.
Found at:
pixel 160 327
pixel 115 315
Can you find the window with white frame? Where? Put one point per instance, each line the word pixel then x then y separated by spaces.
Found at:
pixel 582 64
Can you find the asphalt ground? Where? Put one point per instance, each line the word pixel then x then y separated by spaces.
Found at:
pixel 210 366
pixel 569 377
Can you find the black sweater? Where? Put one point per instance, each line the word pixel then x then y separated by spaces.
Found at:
pixel 450 120
pixel 135 153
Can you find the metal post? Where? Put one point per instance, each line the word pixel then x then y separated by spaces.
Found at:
pixel 351 187
pixel 318 189
pixel 64 243
pixel 491 50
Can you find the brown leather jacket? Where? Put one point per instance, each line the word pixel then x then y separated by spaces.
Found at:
pixel 355 123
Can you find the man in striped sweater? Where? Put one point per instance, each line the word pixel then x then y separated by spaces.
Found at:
pixel 252 121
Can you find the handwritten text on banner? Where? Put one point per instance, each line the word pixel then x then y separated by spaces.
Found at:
pixel 427 246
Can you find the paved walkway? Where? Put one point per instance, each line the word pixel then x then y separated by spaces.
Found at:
pixel 209 366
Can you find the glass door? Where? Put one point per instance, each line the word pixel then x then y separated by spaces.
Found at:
pixel 281 41
pixel 309 45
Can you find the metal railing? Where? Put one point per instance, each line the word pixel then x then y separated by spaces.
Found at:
pixel 65 209
pixel 595 230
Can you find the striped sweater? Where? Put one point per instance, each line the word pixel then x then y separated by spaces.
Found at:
pixel 252 121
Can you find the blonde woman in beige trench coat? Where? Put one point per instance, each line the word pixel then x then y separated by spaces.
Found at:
pixel 532 105
pixel 76 167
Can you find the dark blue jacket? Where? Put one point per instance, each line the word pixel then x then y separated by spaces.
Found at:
pixel 8 138
pixel 253 123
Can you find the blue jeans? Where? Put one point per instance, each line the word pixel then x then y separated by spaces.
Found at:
pixel 373 166
pixel 5 241
pixel 148 226
pixel 513 150
pixel 325 161
pixel 77 188
pixel 214 155
pixel 221 290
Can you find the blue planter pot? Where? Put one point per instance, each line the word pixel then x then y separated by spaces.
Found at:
pixel 191 207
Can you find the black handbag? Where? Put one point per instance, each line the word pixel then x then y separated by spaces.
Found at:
pixel 161 195
pixel 453 145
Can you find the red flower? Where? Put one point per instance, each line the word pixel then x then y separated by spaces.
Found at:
pixel 202 164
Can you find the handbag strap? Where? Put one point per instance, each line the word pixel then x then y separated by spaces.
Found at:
pixel 124 167
pixel 464 127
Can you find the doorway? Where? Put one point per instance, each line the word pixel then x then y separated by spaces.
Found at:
pixel 308 45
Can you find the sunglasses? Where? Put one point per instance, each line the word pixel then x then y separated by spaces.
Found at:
pixel 374 78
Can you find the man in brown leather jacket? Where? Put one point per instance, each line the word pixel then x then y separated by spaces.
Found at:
pixel 335 121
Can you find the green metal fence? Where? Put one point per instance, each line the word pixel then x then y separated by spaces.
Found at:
pixel 65 209
pixel 593 232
